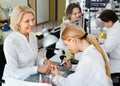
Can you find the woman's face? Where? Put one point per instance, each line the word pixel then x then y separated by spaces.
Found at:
pixel 106 24
pixel 27 23
pixel 75 14
pixel 72 45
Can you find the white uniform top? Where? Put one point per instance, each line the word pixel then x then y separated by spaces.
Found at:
pixel 89 72
pixel 112 46
pixel 21 56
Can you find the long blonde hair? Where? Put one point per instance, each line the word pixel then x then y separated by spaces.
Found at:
pixel 70 30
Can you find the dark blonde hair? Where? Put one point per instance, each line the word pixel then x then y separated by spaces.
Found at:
pixel 70 31
pixel 17 15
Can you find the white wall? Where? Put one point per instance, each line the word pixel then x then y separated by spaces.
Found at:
pixel 42 11
pixel 18 2
pixel 42 8
pixel 5 3
pixel 12 3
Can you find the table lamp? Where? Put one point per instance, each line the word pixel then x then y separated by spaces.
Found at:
pixel 48 39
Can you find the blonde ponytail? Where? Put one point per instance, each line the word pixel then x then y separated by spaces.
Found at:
pixel 75 31
pixel 94 41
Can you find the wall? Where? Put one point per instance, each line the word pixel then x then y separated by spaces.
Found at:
pixel 51 7
pixel 12 3
pixel 42 10
pixel 32 4
pixel 61 9
pixel 41 7
pixel 5 3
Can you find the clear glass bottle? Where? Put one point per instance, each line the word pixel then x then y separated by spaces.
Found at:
pixel 47 78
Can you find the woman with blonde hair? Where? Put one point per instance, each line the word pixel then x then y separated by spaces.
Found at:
pixel 93 67
pixel 20 47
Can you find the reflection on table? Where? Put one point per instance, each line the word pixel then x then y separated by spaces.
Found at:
pixel 47 78
pixel 15 82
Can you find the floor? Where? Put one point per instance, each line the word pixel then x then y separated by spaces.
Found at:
pixel 49 25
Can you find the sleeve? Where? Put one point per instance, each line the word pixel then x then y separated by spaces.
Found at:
pixel 41 54
pixel 59 80
pixel 12 67
pixel 82 76
pixel 40 58
pixel 111 42
pixel 73 67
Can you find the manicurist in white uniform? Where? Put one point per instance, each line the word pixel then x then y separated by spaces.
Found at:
pixel 73 12
pixel 20 47
pixel 112 43
pixel 93 67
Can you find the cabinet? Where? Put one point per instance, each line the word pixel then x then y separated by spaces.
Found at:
pixel 41 8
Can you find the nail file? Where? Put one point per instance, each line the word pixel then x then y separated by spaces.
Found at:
pixel 63 61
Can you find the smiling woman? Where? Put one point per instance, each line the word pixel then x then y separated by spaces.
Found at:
pixel 20 47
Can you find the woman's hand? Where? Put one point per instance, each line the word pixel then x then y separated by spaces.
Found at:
pixel 67 63
pixel 48 62
pixel 54 70
pixel 44 69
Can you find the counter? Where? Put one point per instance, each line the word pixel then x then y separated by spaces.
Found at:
pixel 34 80
pixel 47 78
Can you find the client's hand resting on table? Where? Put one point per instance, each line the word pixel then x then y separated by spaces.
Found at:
pixel 46 68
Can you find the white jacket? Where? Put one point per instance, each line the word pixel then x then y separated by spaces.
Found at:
pixel 90 71
pixel 21 56
pixel 112 46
